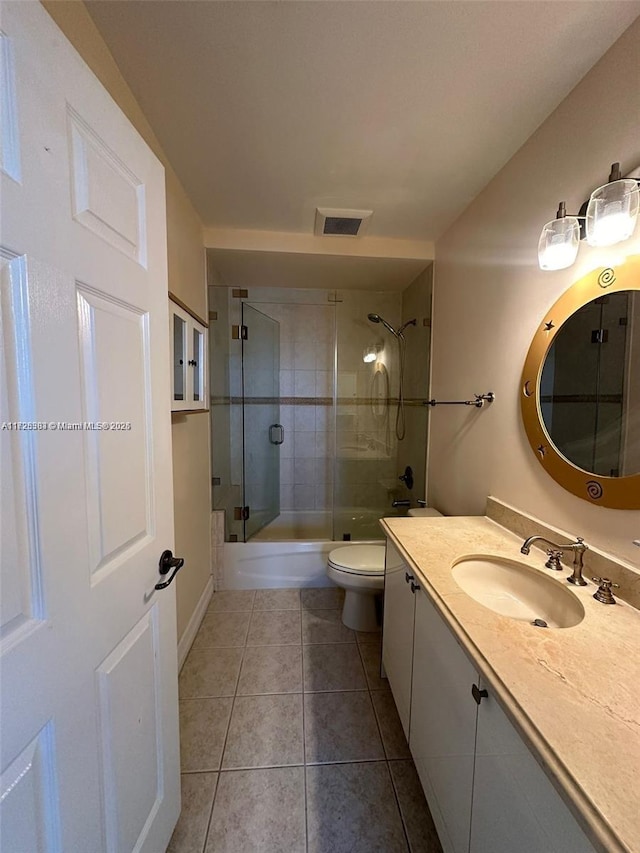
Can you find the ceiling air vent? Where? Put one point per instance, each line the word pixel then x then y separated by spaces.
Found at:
pixel 341 223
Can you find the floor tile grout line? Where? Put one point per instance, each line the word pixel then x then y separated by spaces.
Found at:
pixel 213 800
pixel 233 704
pixel 226 736
pixel 304 769
pixel 384 749
pixel 342 690
pixel 348 761
pixel 249 768
pixel 405 828
pixel 373 707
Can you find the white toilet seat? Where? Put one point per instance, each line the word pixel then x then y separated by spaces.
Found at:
pixel 364 560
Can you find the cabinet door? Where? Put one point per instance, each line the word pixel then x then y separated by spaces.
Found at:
pixel 198 364
pixel 179 358
pixel 515 806
pixel 188 359
pixel 397 637
pixel 443 725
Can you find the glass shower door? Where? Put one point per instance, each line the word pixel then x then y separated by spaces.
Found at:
pixel 262 432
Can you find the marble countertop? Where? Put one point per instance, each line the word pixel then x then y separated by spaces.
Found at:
pixel 573 693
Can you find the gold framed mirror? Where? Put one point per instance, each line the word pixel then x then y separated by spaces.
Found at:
pixel 580 389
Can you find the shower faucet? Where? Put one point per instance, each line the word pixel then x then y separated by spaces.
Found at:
pixel 407 477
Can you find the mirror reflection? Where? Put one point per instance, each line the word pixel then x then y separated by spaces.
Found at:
pixel 590 386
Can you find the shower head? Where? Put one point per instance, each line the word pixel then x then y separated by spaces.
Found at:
pixel 376 318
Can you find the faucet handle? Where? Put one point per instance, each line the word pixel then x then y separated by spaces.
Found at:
pixel 554 560
pixel 603 593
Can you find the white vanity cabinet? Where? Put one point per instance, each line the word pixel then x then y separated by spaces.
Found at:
pixel 486 791
pixel 443 725
pixel 515 806
pixel 188 360
pixel 397 650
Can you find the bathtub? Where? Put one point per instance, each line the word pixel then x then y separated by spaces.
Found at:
pixel 296 524
pixel 292 550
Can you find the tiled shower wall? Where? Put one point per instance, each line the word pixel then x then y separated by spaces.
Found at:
pixel 307 356
pixel 365 439
pixel 416 303
pixel 340 452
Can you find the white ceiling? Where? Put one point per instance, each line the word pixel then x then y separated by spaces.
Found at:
pixel 284 269
pixel 267 110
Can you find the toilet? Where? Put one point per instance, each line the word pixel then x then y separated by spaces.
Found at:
pixel 359 570
pixel 424 512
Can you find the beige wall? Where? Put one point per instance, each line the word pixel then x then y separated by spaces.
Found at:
pixel 186 260
pixel 490 296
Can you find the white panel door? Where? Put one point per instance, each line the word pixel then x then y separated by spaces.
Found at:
pixel 397 635
pixel 515 806
pixel 89 755
pixel 443 725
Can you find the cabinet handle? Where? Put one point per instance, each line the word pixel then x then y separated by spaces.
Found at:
pixel 478 694
pixel 414 587
pixel 408 577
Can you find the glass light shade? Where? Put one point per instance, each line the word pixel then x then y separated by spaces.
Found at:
pixel 558 244
pixel 612 213
pixel 370 354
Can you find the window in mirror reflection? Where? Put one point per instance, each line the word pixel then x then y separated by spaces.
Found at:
pixel 590 386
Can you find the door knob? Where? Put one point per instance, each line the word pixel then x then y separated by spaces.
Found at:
pixel 165 564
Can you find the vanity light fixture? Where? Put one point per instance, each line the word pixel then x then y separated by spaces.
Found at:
pixel 608 217
pixel 612 210
pixel 370 353
pixel 559 241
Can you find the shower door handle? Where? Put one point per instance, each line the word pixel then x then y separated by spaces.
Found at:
pixel 276 429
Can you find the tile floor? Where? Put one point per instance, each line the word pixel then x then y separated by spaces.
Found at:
pixel 290 740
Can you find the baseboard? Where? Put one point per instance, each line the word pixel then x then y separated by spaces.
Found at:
pixel 189 635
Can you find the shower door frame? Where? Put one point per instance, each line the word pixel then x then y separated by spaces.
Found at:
pixel 257 504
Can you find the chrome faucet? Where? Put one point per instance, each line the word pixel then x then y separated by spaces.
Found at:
pixel 578 547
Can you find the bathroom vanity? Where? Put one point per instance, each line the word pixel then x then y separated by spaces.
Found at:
pixel 525 738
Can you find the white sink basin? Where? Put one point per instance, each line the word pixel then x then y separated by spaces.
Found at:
pixel 514 589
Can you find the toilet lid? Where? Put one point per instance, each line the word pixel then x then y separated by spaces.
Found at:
pixel 359 559
pixel 424 512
